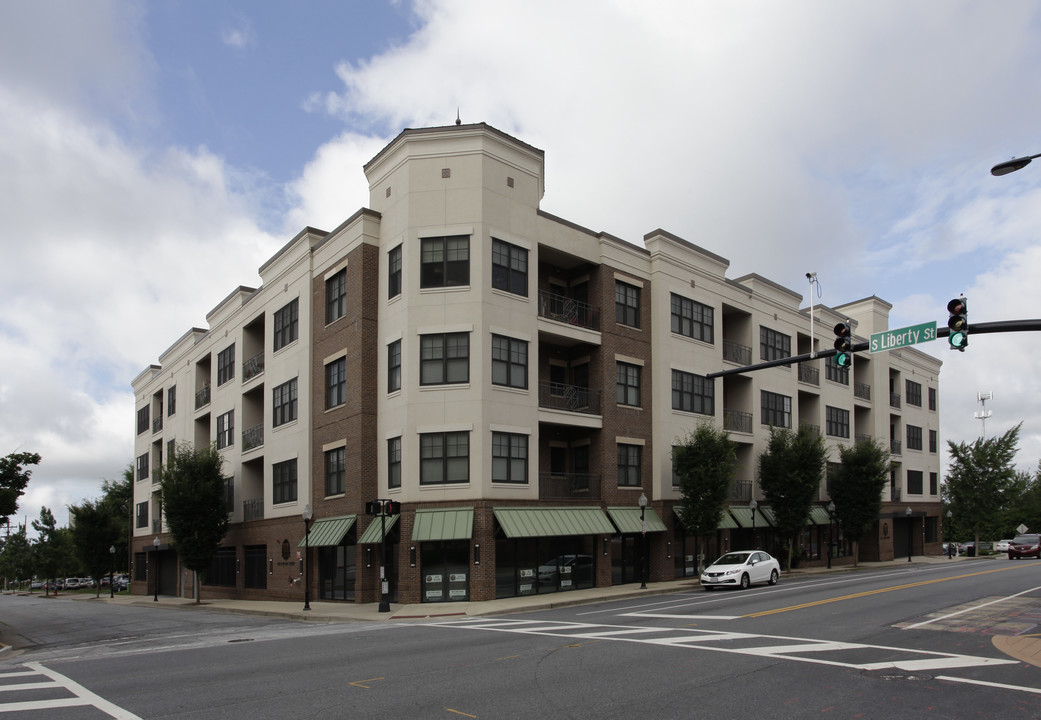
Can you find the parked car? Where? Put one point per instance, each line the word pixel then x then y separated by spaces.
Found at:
pixel 71 583
pixel 741 569
pixel 36 585
pixel 1025 546
pixel 1002 546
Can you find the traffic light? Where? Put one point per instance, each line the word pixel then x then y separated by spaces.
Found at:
pixel 958 322
pixel 372 507
pixel 843 345
pixel 391 507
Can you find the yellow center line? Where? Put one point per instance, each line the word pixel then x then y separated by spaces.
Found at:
pixel 358 683
pixel 868 593
pixel 459 713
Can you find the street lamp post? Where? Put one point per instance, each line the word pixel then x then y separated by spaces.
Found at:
pixel 1009 166
pixel 910 533
pixel 307 557
pixel 155 557
pixel 643 541
pixel 950 545
pixel 831 521
pixel 111 571
pixel 754 505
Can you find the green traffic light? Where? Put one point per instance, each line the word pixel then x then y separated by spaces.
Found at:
pixel 843 359
pixel 958 339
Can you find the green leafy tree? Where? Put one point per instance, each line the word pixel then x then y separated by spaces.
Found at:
pixel 856 487
pixel 52 548
pixel 16 561
pixel 118 499
pixel 14 476
pixel 1026 508
pixel 981 482
pixel 95 531
pixel 705 461
pixel 790 471
pixel 195 505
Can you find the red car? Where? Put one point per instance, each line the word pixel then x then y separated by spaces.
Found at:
pixel 1025 546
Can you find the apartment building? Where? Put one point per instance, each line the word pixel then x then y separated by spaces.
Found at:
pixel 516 382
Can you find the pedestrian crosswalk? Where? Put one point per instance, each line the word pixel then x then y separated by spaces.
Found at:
pixel 35 688
pixel 856 656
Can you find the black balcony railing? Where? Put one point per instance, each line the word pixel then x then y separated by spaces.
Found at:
pixel 157 424
pixel 572 398
pixel 737 421
pixel 809 374
pixel 253 367
pixel 737 353
pixel 895 447
pixel 568 310
pixel 157 526
pixel 894 493
pixel 894 400
pixel 202 397
pixel 862 391
pixel 740 491
pixel 252 509
pixel 815 429
pixel 574 486
pixel 253 437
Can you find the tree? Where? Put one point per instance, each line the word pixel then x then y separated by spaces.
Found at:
pixel 705 462
pixel 856 487
pixel 195 505
pixel 95 531
pixel 13 478
pixel 118 498
pixel 790 471
pixel 981 481
pixel 52 549
pixel 16 561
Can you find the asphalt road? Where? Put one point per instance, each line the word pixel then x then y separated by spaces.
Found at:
pixel 899 643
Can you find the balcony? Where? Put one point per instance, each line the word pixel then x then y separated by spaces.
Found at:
pixel 157 526
pixel 568 486
pixel 157 425
pixel 863 438
pixel 895 447
pixel 894 400
pixel 253 437
pixel 737 353
pixel 202 397
pixel 809 374
pixel 568 311
pixel 894 494
pixel 737 421
pixel 572 398
pixel 252 509
pixel 862 391
pixel 253 367
pixel 740 491
pixel 811 427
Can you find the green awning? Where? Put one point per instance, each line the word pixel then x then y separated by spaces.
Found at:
pixel 627 519
pixel 768 513
pixel 328 531
pixel 726 522
pixel 820 515
pixel 743 515
pixel 552 521
pixel 373 532
pixel 443 524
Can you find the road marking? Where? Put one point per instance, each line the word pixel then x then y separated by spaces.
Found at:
pixel 358 683
pixel 1003 686
pixel 807 650
pixel 82 696
pixel 969 609
pixel 457 712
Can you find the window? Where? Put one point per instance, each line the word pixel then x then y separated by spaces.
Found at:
pixel 394 462
pixel 444 359
pixel 142 467
pixel 226 364
pixel 509 362
pixel 934 486
pixel 336 296
pixel 932 398
pixel 222 569
pixel 509 268
pixel 676 450
pixel 283 482
pixel 336 383
pixel 509 457
pixel 394 272
pixel 445 262
pixel 141 513
pixel 776 409
pixel 933 441
pixel 691 319
pixel 226 429
pixel 628 384
pixel 283 403
pixel 444 458
pixel 287 321
pixel 693 393
pixel 914 437
pixel 142 420
pixel 229 494
pixel 836 422
pixel 834 372
pixel 335 461
pixel 626 304
pixel 629 465
pixel 171 401
pixel 394 366
pixel 914 482
pixel 773 345
pixel 171 449
pixel 914 393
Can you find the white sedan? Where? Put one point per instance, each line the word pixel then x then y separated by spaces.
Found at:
pixel 741 569
pixel 1001 546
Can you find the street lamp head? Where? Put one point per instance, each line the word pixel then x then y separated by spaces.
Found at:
pixel 908 511
pixel 642 501
pixel 831 506
pixel 949 514
pixel 1010 166
pixel 112 549
pixel 753 504
pixel 307 512
pixel 155 542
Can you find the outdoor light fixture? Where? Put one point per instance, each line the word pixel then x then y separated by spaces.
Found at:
pixel 111 566
pixel 1009 166
pixel 910 533
pixel 831 540
pixel 155 580
pixel 643 541
pixel 307 559
pixel 753 504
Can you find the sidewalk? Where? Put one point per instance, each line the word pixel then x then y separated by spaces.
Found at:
pixel 347 612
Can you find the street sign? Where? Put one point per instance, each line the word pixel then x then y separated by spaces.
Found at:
pixel 902 337
pixel 1021 529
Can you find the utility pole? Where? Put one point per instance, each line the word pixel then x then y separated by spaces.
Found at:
pixel 984 413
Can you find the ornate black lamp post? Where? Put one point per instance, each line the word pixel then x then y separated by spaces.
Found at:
pixel 910 533
pixel 307 557
pixel 155 556
pixel 754 505
pixel 643 541
pixel 950 544
pixel 831 522
pixel 111 565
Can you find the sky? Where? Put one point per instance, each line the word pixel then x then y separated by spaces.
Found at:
pixel 154 155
